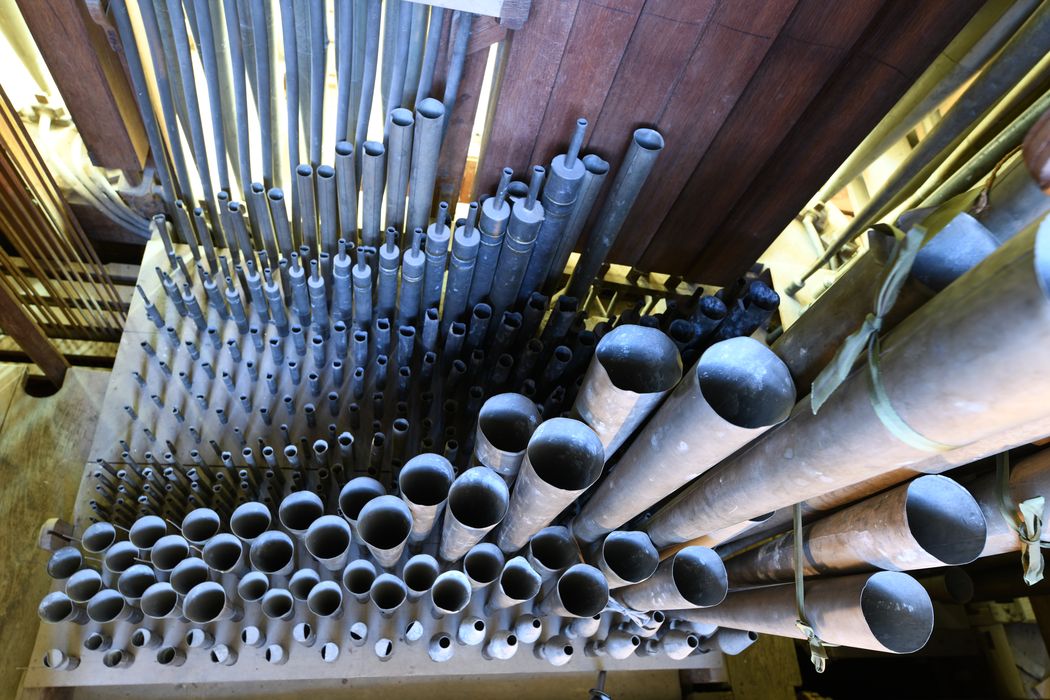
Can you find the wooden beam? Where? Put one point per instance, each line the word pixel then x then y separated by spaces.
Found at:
pixel 18 324
pixel 453 158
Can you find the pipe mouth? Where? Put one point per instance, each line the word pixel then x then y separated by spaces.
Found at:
pixel 159 600
pixel 384 649
pixel 55 607
pixel 253 586
pixel 169 551
pixel 374 149
pixel 271 552
pixel 957 585
pixel 325 599
pixel 945 519
pixel 304 170
pixel 98 537
pixel 640 359
pixel 554 548
pixel 385 522
pixel 135 580
pixel 329 652
pixel 356 494
pixel 425 479
pixel 483 563
pixel 401 117
pixel 277 603
pixel 299 510
pixel 358 576
pixel 223 552
pixel 325 172
pixel 120 556
pixel 250 520
pixel 201 524
pixel 508 421
pixel 167 655
pixel 897 610
pixel 430 108
pixel 145 531
pixel 187 574
pixel 328 537
pixel 344 148
pixel 520 581
pixel 96 641
pixel 420 572
pixel 115 658
pixel 649 139
pixel 105 606
pixel 583 590
pixel 700 576
pixel 451 592
pixel 205 602
pixel 745 383
pixel 479 498
pixel 358 631
pixel 302 583
pixel 388 592
pixel 82 585
pixel 64 562
pixel 630 555
pixel 566 454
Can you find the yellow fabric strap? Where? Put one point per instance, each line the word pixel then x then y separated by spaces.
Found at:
pixel 818 653
pixel 1026 519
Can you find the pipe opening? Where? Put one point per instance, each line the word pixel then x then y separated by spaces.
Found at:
pixel 159 600
pixel 635 640
pixel 482 565
pixel 745 383
pixel 187 574
pixel 567 649
pixel 520 583
pixel 98 537
pixel 145 532
pixel 64 562
pixel 583 591
pixel 508 421
pixel 105 606
pixel 512 640
pixel 649 139
pixel 430 108
pixel 325 599
pixel 420 575
pixel 205 603
pixel 450 593
pixel 168 552
pixel 425 482
pixel 329 652
pixel 658 617
pixel 385 526
pixel 945 519
pixel 95 641
pixel 444 642
pixel 277 603
pixel 166 655
pixel 134 582
pixel 356 494
pixel 302 582
pixel 140 638
pixel 898 611
pixel 120 557
pixel 630 556
pixel 358 577
pixel 299 510
pixel 223 552
pixel 640 359
pixel 328 537
pixel 477 502
pixel 388 594
pixel 253 587
pixel 55 607
pixel 82 585
pixel 700 576
pixel 112 659
pixel 271 552
pixel 553 548
pixel 358 631
pixel 479 625
pixel 566 454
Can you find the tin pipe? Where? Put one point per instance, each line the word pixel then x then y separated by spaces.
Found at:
pixel 436 251
pixel 318 55
pixel 563 459
pixel 579 592
pixel 302 582
pixel 108 606
pixel 206 52
pixel 426 146
pixel 736 391
pixel 477 502
pixel 224 554
pixel 304 184
pixel 424 483
pixel 626 558
pixel 145 531
pixel 82 585
pixel 207 602
pixel 551 551
pixel 593 180
pixel 368 73
pixel 399 147
pixel 272 553
pixel 358 577
pixel 326 600
pixel 1029 478
pixel 384 525
pixel 618 644
pixel 693 577
pixel 249 520
pixel 346 190
pixel 413 266
pixel 506 422
pixel 355 495
pixel 262 87
pixel 526 218
pixel 483 564
pixel 492 226
pixel 252 587
pixel 187 574
pixel 57 607
pixel 386 286
pixel 278 604
pixel 450 594
pixel 502 645
pixel 387 593
pixel 517 583
pixel 298 511
pixel 328 541
pixel 886 611
pixel 465 243
pixel 373 170
pixel 419 574
pixel 66 561
pixel 583 627
pixel 133 582
pixel 1003 295
pixel 557 650
pixel 291 74
pixel 730 641
pixel 441 648
pixel 471 631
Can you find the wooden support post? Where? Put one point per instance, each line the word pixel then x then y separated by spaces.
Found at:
pixel 17 323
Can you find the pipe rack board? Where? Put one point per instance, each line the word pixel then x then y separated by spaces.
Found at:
pixel 303 663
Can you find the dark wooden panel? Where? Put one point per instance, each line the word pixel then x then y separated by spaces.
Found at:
pixel 588 68
pixel 813 44
pixel 528 73
pixel 735 40
pixel 92 81
pixel 894 51
pixel 453 157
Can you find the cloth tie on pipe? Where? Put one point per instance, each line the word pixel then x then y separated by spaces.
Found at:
pixel 818 653
pixel 1024 518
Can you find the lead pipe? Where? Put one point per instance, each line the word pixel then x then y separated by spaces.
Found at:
pixel 207 52
pixel 419 574
pixel 506 422
pixel 384 525
pixel 368 73
pixel 328 541
pixel 424 483
pixel 593 180
pixel 388 593
pixel 579 592
pixel 693 577
pixel 563 459
pixel 736 391
pixel 358 577
pixel 272 553
pixel 426 146
pixel 477 502
pixel 492 225
pixel 626 558
pixel 261 43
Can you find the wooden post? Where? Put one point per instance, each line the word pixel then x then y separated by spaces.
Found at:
pixel 17 323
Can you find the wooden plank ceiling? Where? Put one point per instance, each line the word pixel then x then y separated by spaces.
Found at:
pixel 758 100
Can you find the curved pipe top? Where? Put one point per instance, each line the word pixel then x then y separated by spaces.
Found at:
pixel 639 359
pixel 98 537
pixel 249 520
pixel 945 519
pixel 425 479
pixel 505 424
pixel 146 531
pixel 356 493
pixel 745 383
pixel 200 524
pixel 881 600
pixel 299 510
pixel 566 454
pixel 627 558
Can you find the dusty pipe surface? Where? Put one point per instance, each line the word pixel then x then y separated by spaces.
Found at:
pixel 517 583
pixel 632 370
pixel 579 592
pixel 946 374
pixel 551 551
pixel 505 425
pixel 430 119
pixel 928 522
pixel 477 502
pixel 693 578
pixel 626 558
pixel 424 483
pixel 450 594
pixel 328 541
pixel 384 525
pixel 563 459
pixel 735 392
pixel 1029 478
pixel 483 564
pixel 886 611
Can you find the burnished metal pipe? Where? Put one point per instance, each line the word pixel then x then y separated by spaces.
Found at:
pixel 424 483
pixel 384 525
pixel 579 592
pixel 626 558
pixel 505 425
pixel 694 577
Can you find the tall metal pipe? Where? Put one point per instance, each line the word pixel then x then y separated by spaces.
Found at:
pixel 505 424
pixel 413 266
pixel 424 483
pixel 483 564
pixel 551 551
pixel 430 53
pixel 517 583
pixel 593 179
pixel 399 159
pixel 272 553
pixel 886 611
pixel 735 392
pixel 346 191
pixel 328 541
pixel 430 119
pixel 206 52
pixel 373 172
pixel 465 242
pixel 695 577
pixel 632 370
pixel 384 525
pixel 492 225
pixel 626 558
pixel 356 494
pixel 262 87
pixel 646 145
pixel 477 502
pixel 526 218
pixel 941 367
pixel 579 592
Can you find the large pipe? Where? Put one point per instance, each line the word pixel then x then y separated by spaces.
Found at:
pixel 328 541
pixel 358 577
pixel 477 502
pixel 419 574
pixel 248 521
pixel 551 551
pixel 450 594
pixel 207 602
pixel 483 564
pixel 424 483
pixel 326 600
pixel 943 366
pixel 83 584
pixel 430 118
pixel 109 606
pixel 579 592
pixel 505 425
pixel 886 611
pixel 633 369
pixel 57 607
pixel 262 87
pixel 492 225
pixel 399 158
pixel 224 554
pixel 735 392
pixel 563 459
pixel 160 601
pixel 517 583
pixel 168 552
pixel 272 553
pixel 133 583
pixel 928 522
pixel 278 604
pixel 384 526
pixel 298 511
pixel 187 574
pixel 695 577
pixel 646 145
pixel 388 593
pixel 356 494
pixel 1029 478
pixel 626 558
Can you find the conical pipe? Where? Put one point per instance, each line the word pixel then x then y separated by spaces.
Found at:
pixel 678 644
pixel 633 369
pixel 387 593
pixel 477 502
pixel 278 604
pixel 57 607
pixel 326 600
pixel 224 554
pixel 505 424
pixel 1029 478
pixel 502 645
pixel 450 594
pixel 441 648
pixel 580 592
pixel 695 577
pixel 557 650
pixel 328 541
pixel 563 459
pixel 355 494
pixel 583 627
pixel 943 366
pixel 249 520
pixel 424 483
pixel 358 577
pixel 886 611
pixel 928 522
pixel 729 641
pixel 517 583
pixel 207 602
pixel 273 553
pixel 298 511
pixel 471 631
pixel 618 644
pixel 419 574
pixel 551 551
pixel 737 390
pixel 483 564
pixel 384 525
pixel 626 558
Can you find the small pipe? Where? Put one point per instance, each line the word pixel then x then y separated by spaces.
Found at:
pixel 117 658
pixel 729 641
pixel 438 236
pixel 426 146
pixel 57 607
pixel 328 541
pixel 413 267
pixel 694 577
pixel 471 631
pixel 583 627
pixel 424 483
pixel 618 644
pixel 477 502
pixel 579 592
pixel 441 648
pixel 326 600
pixel 373 170
pixel 171 656
pixel 517 583
pixel 450 594
pixel 262 86
pixel 384 525
pixel 528 628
